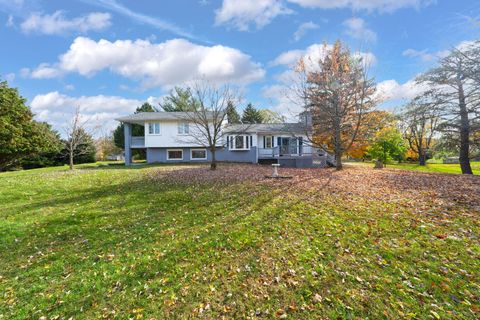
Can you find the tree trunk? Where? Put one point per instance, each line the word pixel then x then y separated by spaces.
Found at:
pixel 422 157
pixel 338 143
pixel 422 160
pixel 379 164
pixel 71 160
pixel 338 160
pixel 464 134
pixel 213 163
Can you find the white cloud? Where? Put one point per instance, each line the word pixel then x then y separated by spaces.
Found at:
pixel 10 77
pixel 281 100
pixel 12 5
pixel 282 95
pixel 10 22
pixel 57 109
pixel 288 58
pixel 389 90
pixel 368 5
pixel 424 55
pixel 165 64
pixel 284 100
pixel 313 54
pixel 356 29
pixel 242 13
pixel 303 28
pixel 57 23
pixel 44 71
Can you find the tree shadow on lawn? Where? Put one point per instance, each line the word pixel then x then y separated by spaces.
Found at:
pixel 185 235
pixel 170 226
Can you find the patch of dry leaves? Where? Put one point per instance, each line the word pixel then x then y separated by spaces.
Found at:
pixel 424 191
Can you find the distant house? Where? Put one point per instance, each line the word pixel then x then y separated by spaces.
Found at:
pixel 167 140
pixel 451 160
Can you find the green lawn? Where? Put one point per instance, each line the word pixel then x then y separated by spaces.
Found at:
pixel 431 167
pixel 178 242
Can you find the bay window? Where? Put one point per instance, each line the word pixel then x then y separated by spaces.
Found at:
pixel 240 142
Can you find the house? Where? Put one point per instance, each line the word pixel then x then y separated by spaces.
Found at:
pixel 170 137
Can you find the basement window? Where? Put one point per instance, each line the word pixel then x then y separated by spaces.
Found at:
pixel 175 154
pixel 198 154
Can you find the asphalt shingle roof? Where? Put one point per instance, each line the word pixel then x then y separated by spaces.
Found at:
pixel 267 127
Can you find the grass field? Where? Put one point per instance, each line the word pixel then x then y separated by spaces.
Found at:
pixel 431 167
pixel 180 242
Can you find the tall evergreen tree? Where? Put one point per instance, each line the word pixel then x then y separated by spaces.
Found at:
pixel 232 114
pixel 179 99
pixel 47 158
pixel 455 90
pixel 270 116
pixel 251 115
pixel 86 151
pixel 20 135
pixel 137 130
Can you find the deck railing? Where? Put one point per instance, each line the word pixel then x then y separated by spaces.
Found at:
pixel 137 142
pixel 287 151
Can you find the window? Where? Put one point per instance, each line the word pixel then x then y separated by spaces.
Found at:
pixel 198 154
pixel 175 154
pixel 154 128
pixel 240 142
pixel 268 142
pixel 183 128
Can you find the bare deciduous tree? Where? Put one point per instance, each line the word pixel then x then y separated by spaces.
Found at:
pixel 420 122
pixel 207 121
pixel 77 134
pixel 105 145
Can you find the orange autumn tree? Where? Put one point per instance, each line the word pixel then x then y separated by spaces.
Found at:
pixel 338 94
pixel 374 121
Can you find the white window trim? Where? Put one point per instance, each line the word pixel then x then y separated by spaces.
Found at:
pixel 271 142
pixel 154 134
pixel 245 138
pixel 198 149
pixel 182 124
pixel 174 159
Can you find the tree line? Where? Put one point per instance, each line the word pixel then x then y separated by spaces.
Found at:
pixel 26 143
pixel 336 91
pixel 341 97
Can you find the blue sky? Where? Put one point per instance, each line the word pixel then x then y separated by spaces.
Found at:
pixel 107 56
